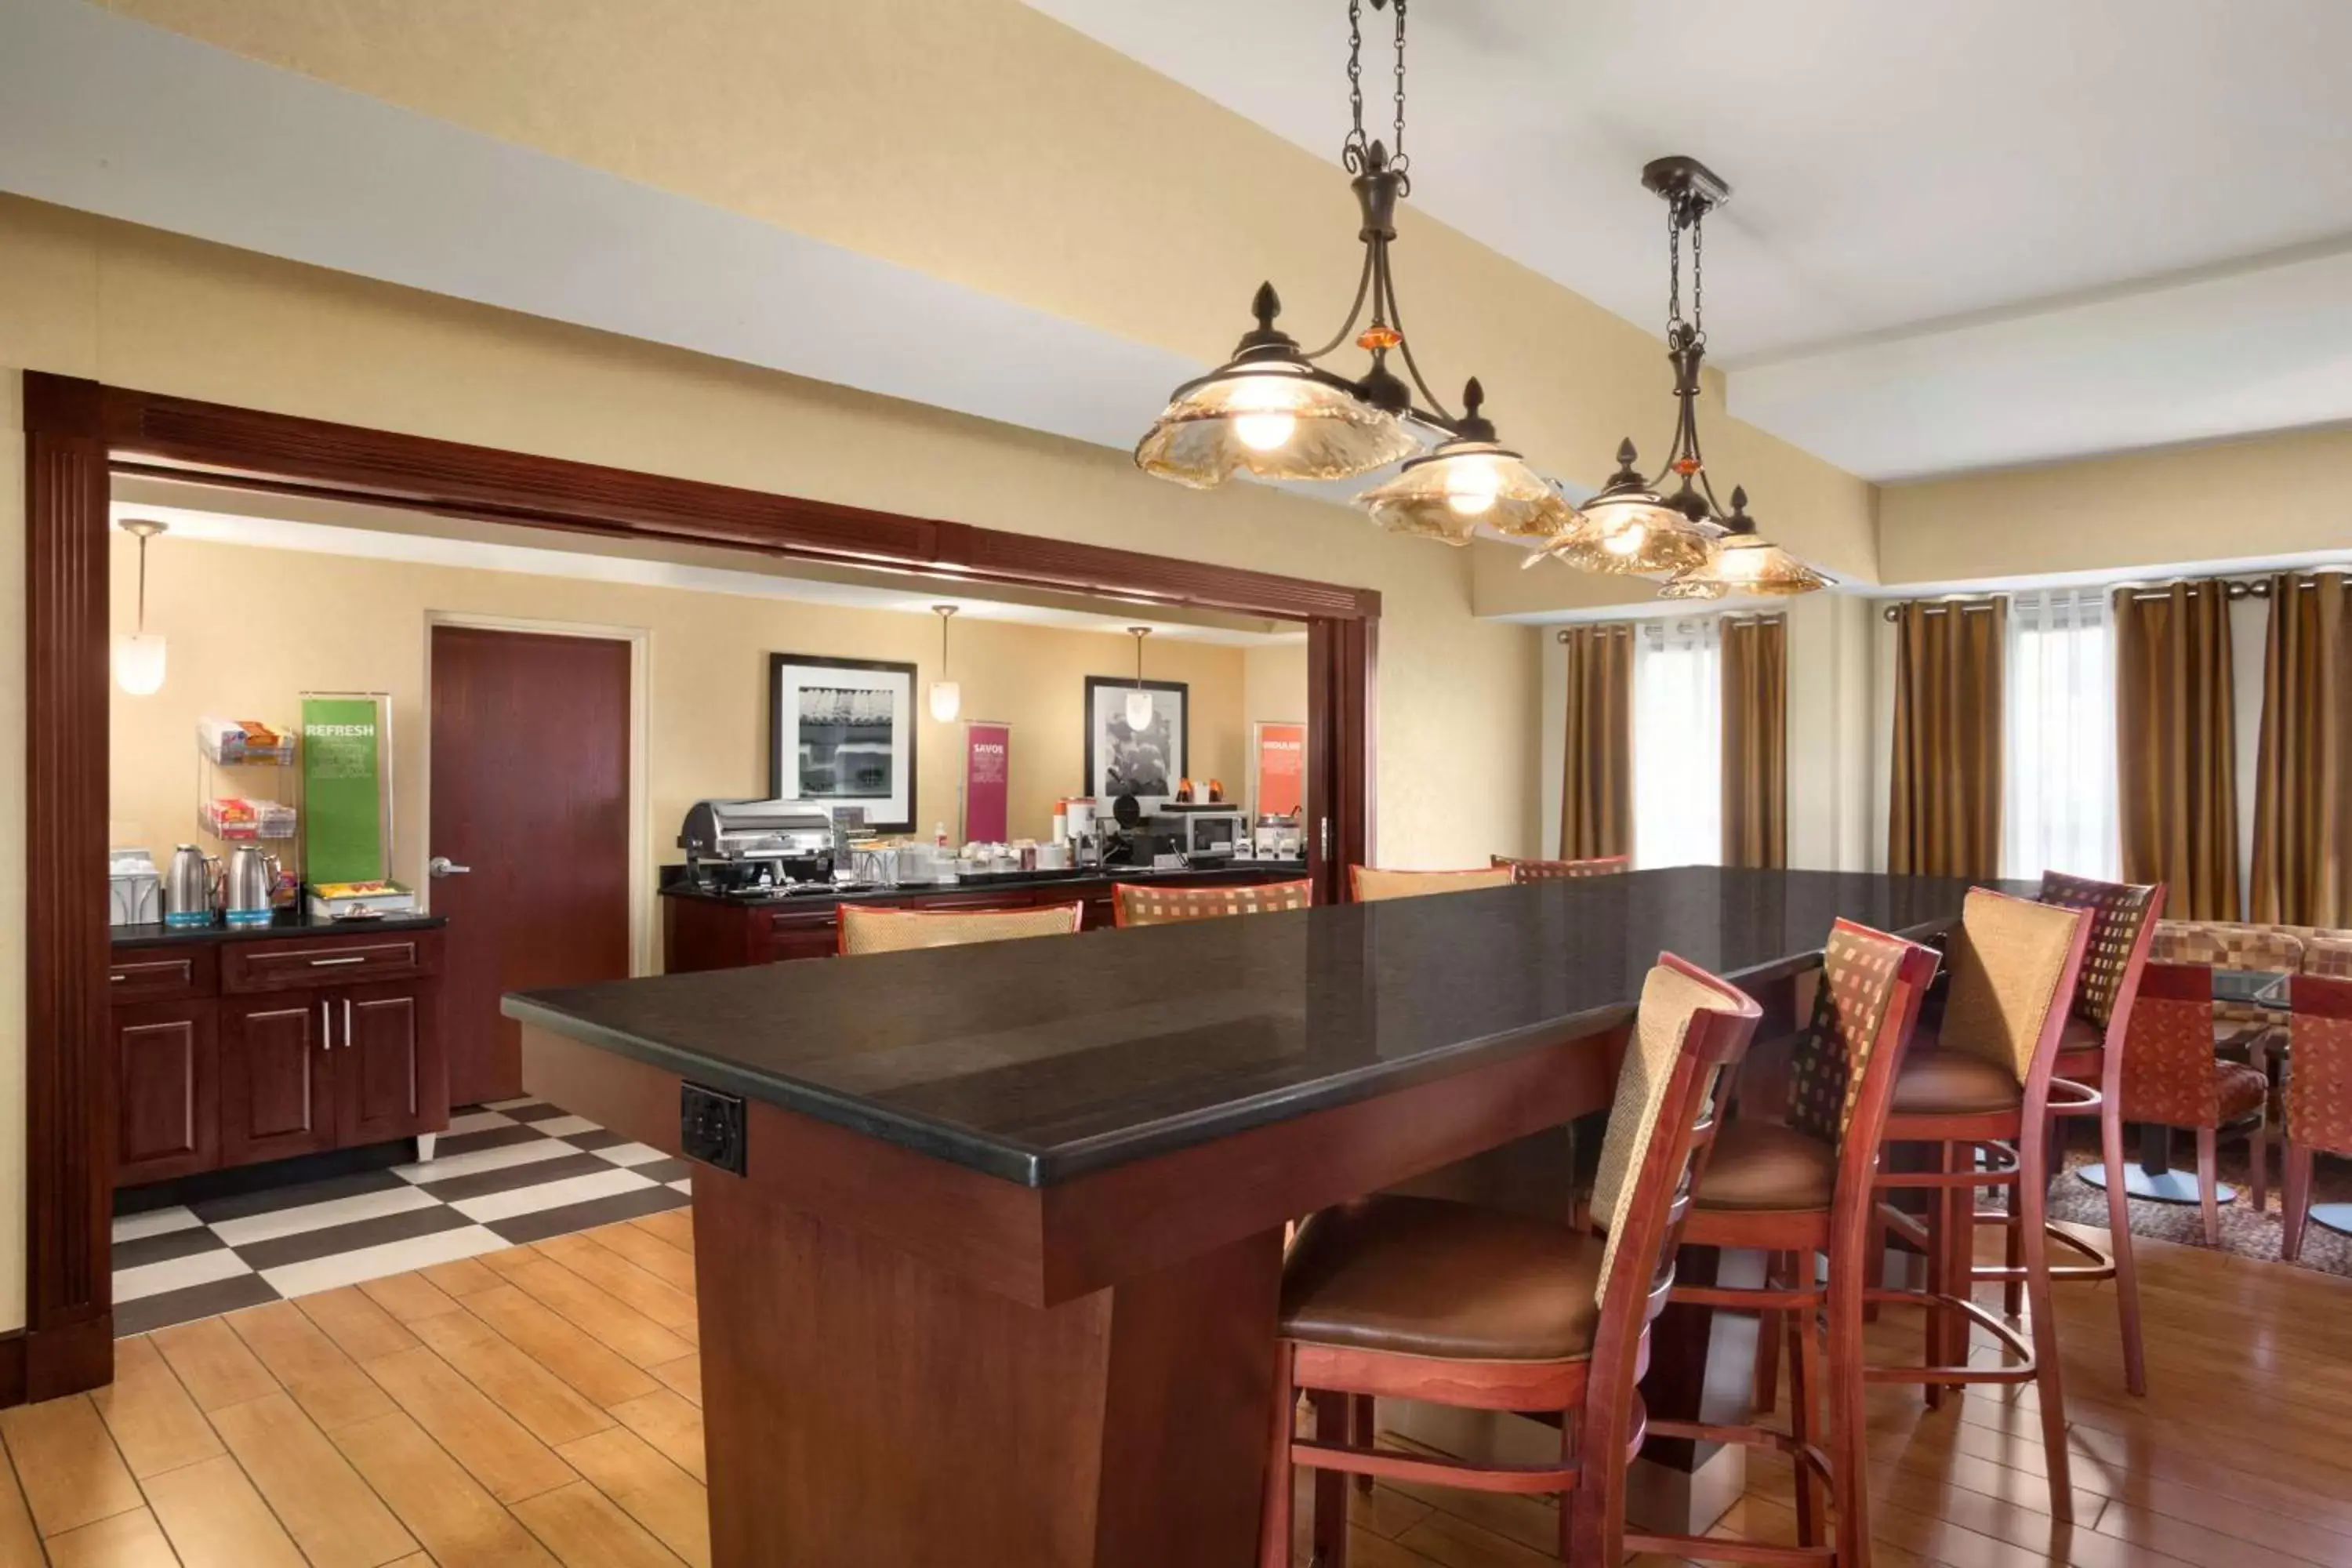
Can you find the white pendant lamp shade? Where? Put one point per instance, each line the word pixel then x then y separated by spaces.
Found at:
pixel 947 700
pixel 1139 710
pixel 139 663
pixel 139 657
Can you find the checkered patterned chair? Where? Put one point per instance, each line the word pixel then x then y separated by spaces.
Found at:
pixel 1369 885
pixel 866 929
pixel 2318 1092
pixel 1558 870
pixel 1146 904
pixel 2173 1078
pixel 2329 955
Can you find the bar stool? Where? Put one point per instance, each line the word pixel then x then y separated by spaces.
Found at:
pixel 1805 1186
pixel 1151 904
pixel 2173 1078
pixel 2318 1092
pixel 1420 1299
pixel 2091 1050
pixel 867 928
pixel 1984 1079
pixel 1367 885
pixel 1558 870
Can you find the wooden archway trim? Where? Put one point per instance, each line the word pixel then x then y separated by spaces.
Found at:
pixel 78 432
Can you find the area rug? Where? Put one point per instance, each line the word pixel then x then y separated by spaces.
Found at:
pixel 2246 1231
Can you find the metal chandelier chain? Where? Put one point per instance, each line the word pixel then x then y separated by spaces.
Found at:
pixel 1397 161
pixel 1674 267
pixel 1355 142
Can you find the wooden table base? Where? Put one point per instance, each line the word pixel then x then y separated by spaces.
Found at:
pixel 862 1407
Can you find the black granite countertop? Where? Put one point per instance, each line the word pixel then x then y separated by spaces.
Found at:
pixel 284 922
pixel 1041 1061
pixel 676 888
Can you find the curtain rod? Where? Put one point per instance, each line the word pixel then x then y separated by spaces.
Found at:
pixel 2233 587
pixel 1756 617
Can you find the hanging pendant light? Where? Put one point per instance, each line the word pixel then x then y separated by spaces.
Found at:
pixel 1272 411
pixel 1745 563
pixel 138 658
pixel 1629 528
pixel 947 697
pixel 1138 701
pixel 1471 479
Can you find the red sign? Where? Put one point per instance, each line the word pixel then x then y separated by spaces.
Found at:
pixel 1281 765
pixel 987 779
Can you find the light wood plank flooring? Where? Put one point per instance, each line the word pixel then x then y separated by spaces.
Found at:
pixel 539 1406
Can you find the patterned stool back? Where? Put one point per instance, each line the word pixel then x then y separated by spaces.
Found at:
pixel 1367 884
pixel 2122 917
pixel 1865 975
pixel 865 929
pixel 1557 870
pixel 1143 904
pixel 2319 1074
pixel 2014 963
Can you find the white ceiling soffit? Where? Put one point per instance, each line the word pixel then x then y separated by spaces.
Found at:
pixel 1961 235
pixel 111 116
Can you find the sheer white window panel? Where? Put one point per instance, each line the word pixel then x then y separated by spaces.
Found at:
pixel 1679 743
pixel 2058 791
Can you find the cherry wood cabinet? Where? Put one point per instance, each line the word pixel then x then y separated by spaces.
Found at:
pixel 237 1050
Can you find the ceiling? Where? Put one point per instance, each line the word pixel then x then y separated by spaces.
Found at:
pixel 1962 235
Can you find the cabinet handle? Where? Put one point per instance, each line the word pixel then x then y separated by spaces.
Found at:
pixel 347 1023
pixel 331 962
pixel 326 1026
pixel 116 979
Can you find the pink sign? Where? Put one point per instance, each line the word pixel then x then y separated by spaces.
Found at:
pixel 987 778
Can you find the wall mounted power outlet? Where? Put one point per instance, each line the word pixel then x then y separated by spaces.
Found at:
pixel 710 1126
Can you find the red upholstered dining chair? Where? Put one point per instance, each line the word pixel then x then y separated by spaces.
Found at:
pixel 2091 1051
pixel 1983 1082
pixel 1368 884
pixel 1558 870
pixel 1151 904
pixel 866 928
pixel 1803 1187
pixel 1420 1299
pixel 2173 1078
pixel 2318 1092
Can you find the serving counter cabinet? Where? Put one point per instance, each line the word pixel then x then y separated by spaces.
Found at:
pixel 233 1047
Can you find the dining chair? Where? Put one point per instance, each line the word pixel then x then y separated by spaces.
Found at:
pixel 1368 884
pixel 1423 1298
pixel 1560 870
pixel 1981 1082
pixel 2240 1028
pixel 1802 1187
pixel 2173 1077
pixel 2091 1051
pixel 867 928
pixel 1152 904
pixel 2318 1093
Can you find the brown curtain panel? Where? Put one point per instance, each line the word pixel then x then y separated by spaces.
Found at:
pixel 2302 781
pixel 2176 747
pixel 1944 811
pixel 1756 742
pixel 1596 797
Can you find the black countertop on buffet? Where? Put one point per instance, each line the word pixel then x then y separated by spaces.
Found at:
pixel 675 887
pixel 284 923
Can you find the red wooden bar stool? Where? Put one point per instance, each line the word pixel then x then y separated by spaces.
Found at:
pixel 1984 1080
pixel 1560 870
pixel 1420 1299
pixel 1150 904
pixel 1800 1187
pixel 1369 884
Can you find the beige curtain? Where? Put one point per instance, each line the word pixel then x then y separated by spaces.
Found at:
pixel 2302 782
pixel 2176 752
pixel 1944 807
pixel 1596 798
pixel 1756 742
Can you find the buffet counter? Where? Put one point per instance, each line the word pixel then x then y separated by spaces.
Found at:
pixel 704 930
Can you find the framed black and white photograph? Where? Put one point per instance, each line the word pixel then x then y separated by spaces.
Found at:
pixel 841 731
pixel 1124 757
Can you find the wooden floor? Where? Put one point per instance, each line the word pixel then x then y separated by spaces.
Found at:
pixel 540 1405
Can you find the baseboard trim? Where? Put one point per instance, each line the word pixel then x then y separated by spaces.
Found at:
pixel 71 1359
pixel 12 1368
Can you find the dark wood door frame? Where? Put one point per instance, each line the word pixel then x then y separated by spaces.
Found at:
pixel 79 433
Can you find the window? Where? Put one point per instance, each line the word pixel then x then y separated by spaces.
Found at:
pixel 2058 799
pixel 1678 743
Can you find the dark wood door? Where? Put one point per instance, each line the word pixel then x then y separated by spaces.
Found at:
pixel 276 1076
pixel 167 1094
pixel 530 793
pixel 392 1080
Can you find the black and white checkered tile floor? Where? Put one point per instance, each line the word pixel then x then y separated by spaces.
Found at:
pixel 515 1172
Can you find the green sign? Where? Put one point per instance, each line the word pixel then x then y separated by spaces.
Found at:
pixel 342 789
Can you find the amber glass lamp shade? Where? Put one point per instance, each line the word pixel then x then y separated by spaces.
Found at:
pixel 1448 493
pixel 1744 562
pixel 1629 530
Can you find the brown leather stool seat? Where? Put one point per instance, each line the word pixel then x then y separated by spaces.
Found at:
pixel 2241 1090
pixel 2082 1050
pixel 1937 1082
pixel 1761 1164
pixel 1425 1276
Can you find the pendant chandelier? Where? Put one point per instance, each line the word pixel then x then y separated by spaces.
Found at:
pixel 1634 525
pixel 1138 709
pixel 947 695
pixel 1273 412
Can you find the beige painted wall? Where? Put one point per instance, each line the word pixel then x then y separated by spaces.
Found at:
pixel 2273 495
pixel 707 715
pixel 981 142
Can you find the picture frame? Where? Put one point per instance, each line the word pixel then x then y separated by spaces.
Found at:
pixel 1120 763
pixel 841 731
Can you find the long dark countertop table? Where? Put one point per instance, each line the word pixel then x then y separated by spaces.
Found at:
pixel 1044 1060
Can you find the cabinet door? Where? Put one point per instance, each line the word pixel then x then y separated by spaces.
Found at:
pixel 167 1091
pixel 392 1079
pixel 276 1077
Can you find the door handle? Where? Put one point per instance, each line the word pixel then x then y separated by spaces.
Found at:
pixel 442 866
pixel 326 1026
pixel 347 1023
